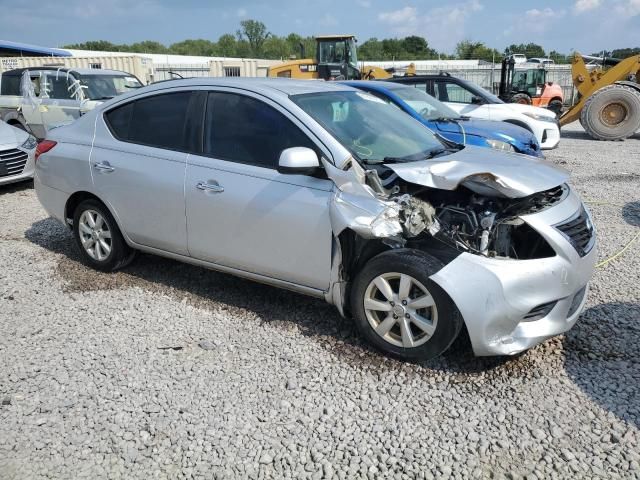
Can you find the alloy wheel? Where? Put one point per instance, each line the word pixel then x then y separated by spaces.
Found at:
pixel 95 235
pixel 400 309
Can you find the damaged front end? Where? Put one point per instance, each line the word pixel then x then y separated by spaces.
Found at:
pixel 462 207
pixel 492 227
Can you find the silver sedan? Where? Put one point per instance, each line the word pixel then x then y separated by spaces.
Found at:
pixel 17 154
pixel 328 191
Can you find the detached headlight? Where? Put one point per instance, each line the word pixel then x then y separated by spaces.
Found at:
pixel 30 143
pixel 500 145
pixel 541 118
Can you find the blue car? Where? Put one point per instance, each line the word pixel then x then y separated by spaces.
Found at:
pixel 445 121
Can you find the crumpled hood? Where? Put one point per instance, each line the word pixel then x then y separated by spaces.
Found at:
pixel 514 175
pixel 11 137
pixel 487 129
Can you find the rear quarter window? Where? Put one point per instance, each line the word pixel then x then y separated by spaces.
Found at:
pixel 10 85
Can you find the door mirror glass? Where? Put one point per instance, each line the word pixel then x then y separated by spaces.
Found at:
pixel 475 100
pixel 298 161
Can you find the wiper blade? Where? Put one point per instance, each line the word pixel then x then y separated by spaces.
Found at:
pixel 440 151
pixel 451 119
pixel 103 98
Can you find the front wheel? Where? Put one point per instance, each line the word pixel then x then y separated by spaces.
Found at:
pixel 521 98
pixel 400 310
pixel 98 237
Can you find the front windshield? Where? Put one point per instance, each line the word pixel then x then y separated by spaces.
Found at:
pixel 428 107
pixel 103 87
pixel 353 55
pixel 371 129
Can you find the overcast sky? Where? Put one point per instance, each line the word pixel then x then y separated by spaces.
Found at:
pixel 583 25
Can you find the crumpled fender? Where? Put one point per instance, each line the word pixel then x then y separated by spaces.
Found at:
pixel 356 206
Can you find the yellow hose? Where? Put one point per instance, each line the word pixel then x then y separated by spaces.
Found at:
pixel 613 257
pixel 625 248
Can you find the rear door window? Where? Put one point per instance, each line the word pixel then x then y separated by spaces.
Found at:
pixel 161 121
pixel 246 130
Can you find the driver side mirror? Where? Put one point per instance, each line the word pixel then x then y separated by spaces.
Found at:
pixel 298 161
pixel 475 100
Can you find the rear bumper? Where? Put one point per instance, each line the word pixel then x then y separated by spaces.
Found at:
pixel 495 296
pixel 53 200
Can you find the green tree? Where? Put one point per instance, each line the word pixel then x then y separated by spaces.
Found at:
pixel 418 48
pixel 99 45
pixel 468 50
pixel 200 47
pixel 227 45
pixel 148 46
pixel 371 50
pixel 276 48
pixel 531 50
pixel 243 49
pixel 255 33
pixel 625 52
pixel 559 57
pixel 393 49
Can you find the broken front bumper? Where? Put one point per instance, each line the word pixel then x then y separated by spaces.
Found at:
pixel 511 305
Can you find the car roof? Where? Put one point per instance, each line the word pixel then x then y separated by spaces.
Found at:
pixel 284 86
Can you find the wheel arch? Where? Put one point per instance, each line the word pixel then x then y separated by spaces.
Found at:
pixel 356 251
pixel 80 196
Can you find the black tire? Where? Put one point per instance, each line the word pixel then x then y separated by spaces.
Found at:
pixel 555 106
pixel 120 253
pixel 521 98
pixel 420 266
pixel 620 100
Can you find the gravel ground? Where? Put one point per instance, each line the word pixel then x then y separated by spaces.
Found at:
pixel 166 370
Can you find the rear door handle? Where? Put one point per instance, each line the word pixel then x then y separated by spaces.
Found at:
pixel 103 167
pixel 209 187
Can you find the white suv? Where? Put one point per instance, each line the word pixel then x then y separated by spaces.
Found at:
pixel 470 100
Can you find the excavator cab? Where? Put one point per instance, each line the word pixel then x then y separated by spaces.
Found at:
pixel 337 57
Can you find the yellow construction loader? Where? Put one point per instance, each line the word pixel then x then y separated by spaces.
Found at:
pixel 608 106
pixel 336 59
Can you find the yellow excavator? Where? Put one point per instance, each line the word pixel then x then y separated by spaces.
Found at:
pixel 608 104
pixel 336 59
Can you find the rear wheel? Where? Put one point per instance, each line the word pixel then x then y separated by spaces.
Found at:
pixel 521 98
pixel 400 310
pixel 98 237
pixel 612 113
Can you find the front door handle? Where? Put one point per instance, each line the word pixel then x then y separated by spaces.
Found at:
pixel 209 187
pixel 103 167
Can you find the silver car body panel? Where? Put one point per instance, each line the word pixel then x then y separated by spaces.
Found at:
pixel 282 229
pixel 496 294
pixel 151 179
pixel 513 174
pixel 11 142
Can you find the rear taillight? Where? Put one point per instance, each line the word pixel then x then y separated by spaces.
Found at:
pixel 44 146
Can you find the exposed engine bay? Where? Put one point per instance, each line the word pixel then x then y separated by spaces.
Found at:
pixel 480 216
